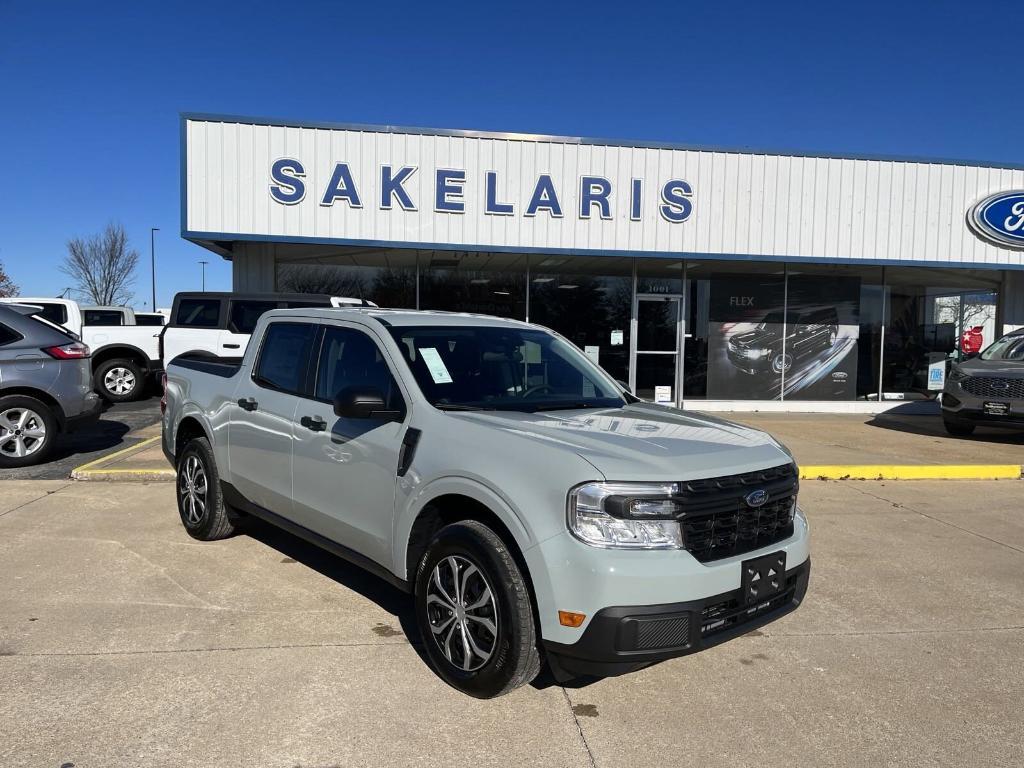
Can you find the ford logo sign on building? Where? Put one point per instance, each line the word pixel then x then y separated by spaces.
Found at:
pixel 999 219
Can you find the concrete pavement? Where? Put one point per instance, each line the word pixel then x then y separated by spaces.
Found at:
pixel 123 642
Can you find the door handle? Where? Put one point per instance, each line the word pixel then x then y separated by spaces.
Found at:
pixel 313 423
pixel 247 404
pixel 231 346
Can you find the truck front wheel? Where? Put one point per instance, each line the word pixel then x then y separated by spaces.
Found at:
pixel 200 499
pixel 119 381
pixel 475 613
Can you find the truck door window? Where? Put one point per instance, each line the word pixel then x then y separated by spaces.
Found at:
pixel 198 313
pixel 243 315
pixel 350 358
pixel 102 317
pixel 284 357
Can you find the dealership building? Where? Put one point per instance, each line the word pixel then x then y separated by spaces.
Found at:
pixel 710 278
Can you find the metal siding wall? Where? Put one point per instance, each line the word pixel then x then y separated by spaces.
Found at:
pixel 746 204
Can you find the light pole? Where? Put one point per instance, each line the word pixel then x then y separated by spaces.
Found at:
pixel 152 264
pixel 204 263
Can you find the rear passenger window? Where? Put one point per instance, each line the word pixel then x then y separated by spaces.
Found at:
pixel 284 356
pixel 245 314
pixel 7 335
pixel 198 313
pixel 350 358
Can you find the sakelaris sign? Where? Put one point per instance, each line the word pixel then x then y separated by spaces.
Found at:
pixel 390 189
pixel 999 219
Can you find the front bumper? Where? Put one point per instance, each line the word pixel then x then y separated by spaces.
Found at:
pixel 750 365
pixel 626 638
pixel 961 407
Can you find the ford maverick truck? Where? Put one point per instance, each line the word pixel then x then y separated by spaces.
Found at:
pixel 535 510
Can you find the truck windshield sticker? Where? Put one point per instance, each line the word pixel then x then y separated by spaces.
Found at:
pixel 438 371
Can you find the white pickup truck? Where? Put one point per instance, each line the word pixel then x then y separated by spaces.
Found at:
pixel 124 354
pixel 533 508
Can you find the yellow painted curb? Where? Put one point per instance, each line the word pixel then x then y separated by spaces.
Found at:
pixel 92 470
pixel 911 472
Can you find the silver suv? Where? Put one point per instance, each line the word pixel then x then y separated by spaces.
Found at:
pixel 45 386
pixel 987 389
pixel 532 507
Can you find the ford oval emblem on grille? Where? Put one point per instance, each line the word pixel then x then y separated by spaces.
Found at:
pixel 756 498
pixel 997 384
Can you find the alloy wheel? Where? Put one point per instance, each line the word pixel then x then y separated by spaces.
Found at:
pixel 462 612
pixel 119 381
pixel 192 489
pixel 782 363
pixel 22 432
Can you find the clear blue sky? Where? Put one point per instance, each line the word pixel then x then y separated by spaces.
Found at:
pixel 91 91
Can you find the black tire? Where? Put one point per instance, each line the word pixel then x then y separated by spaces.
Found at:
pixel 513 659
pixel 207 518
pixel 27 426
pixel 958 429
pixel 119 380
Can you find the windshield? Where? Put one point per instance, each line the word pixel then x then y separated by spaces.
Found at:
pixel 495 368
pixel 772 318
pixel 1007 348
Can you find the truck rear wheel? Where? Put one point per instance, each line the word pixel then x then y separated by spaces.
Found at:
pixel 119 380
pixel 200 499
pixel 475 612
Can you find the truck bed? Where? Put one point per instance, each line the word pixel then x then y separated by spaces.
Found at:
pixel 225 367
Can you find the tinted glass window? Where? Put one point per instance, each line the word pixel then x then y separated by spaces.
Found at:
pixel 488 368
pixel 350 358
pixel 198 313
pixel 102 317
pixel 55 313
pixel 7 335
pixel 149 319
pixel 244 314
pixel 284 356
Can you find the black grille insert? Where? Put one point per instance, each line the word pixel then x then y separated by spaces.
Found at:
pixel 995 387
pixel 718 522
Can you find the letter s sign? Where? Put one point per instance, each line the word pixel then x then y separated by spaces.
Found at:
pixel 287 188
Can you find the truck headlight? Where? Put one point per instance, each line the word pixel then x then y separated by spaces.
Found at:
pixel 955 374
pixel 626 515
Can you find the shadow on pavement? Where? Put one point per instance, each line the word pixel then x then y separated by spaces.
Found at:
pixel 931 426
pixel 104 435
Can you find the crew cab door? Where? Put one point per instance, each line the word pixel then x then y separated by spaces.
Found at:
pixel 263 412
pixel 193 328
pixel 243 314
pixel 344 471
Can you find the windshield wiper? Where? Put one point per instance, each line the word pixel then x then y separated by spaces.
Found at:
pixel 460 407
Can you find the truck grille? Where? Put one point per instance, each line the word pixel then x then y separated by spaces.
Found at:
pixel 718 522
pixel 994 386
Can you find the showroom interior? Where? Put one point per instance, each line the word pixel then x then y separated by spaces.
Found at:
pixel 851 282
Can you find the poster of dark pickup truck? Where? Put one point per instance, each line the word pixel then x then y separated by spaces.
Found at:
pixel 766 338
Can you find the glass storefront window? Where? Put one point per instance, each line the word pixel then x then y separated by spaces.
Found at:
pixel 481 283
pixel 933 315
pixel 734 338
pixel 589 301
pixel 387 278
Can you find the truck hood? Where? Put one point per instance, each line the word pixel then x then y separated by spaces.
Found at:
pixel 644 441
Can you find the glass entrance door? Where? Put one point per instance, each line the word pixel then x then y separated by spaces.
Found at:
pixel 657 340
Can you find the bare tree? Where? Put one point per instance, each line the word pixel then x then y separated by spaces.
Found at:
pixel 103 266
pixel 7 286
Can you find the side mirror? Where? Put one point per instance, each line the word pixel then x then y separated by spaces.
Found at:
pixel 624 385
pixel 363 403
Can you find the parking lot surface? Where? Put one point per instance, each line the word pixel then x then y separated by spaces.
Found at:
pixel 124 643
pixel 111 433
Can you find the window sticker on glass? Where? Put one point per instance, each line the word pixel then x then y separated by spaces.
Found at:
pixel 438 370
